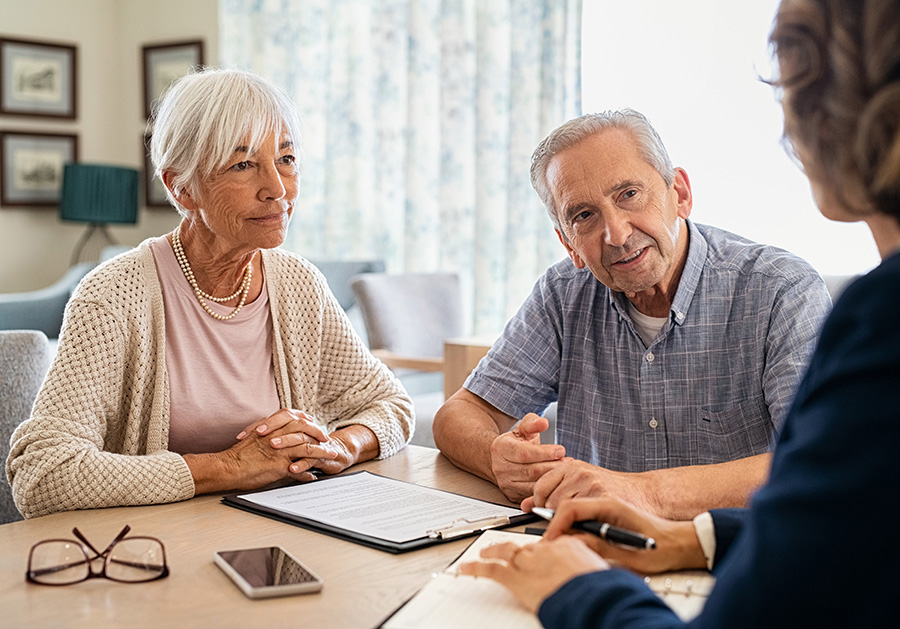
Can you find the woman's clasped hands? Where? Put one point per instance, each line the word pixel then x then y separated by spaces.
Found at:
pixel 288 443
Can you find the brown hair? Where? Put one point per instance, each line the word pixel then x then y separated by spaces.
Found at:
pixel 839 78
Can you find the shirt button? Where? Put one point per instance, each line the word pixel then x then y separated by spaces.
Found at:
pixel 653 422
pixel 650 357
pixel 679 316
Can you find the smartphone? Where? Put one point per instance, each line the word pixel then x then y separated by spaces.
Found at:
pixel 266 572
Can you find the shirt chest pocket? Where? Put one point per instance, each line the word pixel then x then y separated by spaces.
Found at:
pixel 742 429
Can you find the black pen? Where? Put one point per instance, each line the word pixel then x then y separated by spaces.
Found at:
pixel 605 531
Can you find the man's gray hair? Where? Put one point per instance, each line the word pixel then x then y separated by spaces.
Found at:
pixel 649 145
pixel 204 116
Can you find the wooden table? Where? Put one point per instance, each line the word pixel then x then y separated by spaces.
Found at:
pixel 362 586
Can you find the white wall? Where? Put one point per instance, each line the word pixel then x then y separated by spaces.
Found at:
pixel 694 69
pixel 35 246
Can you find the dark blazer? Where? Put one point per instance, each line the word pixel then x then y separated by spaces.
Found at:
pixel 727 523
pixel 818 546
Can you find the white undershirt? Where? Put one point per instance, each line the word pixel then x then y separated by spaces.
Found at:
pixel 647 327
pixel 221 376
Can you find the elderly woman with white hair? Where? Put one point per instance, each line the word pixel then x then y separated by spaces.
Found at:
pixel 207 359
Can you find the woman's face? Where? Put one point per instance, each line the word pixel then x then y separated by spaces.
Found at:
pixel 247 204
pixel 825 193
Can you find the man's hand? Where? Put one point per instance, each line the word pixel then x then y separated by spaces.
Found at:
pixel 577 478
pixel 518 458
pixel 676 493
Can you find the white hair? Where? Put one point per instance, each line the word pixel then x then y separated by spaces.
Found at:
pixel 205 115
pixel 570 133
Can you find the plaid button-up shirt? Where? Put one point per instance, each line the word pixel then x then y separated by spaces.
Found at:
pixel 714 385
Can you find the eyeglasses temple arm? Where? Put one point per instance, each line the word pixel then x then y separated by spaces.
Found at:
pixel 118 538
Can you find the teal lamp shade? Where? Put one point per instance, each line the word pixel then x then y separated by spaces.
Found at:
pixel 97 194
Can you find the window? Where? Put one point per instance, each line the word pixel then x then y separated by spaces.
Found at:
pixel 693 68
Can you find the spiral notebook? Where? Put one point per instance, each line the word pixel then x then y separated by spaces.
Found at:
pixel 450 600
pixel 684 591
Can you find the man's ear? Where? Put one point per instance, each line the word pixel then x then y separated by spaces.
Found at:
pixel 182 196
pixel 684 198
pixel 576 259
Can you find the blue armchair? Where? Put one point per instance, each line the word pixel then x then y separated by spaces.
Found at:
pixel 338 274
pixel 41 309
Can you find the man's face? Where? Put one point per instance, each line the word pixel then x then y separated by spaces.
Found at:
pixel 618 217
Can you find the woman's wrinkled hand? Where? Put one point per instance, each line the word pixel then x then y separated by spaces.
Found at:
pixel 535 571
pixel 299 423
pixel 287 444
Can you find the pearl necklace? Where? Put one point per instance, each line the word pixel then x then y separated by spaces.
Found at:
pixel 242 291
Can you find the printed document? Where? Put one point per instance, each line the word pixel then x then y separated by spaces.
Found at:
pixel 385 508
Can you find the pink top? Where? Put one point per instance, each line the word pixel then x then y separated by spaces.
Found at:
pixel 221 376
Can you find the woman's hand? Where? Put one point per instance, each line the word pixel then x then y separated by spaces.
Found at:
pixel 677 546
pixel 349 445
pixel 535 571
pixel 302 425
pixel 289 428
pixel 284 445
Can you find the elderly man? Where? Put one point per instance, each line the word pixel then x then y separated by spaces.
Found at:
pixel 674 349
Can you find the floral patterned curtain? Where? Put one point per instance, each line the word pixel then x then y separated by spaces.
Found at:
pixel 420 117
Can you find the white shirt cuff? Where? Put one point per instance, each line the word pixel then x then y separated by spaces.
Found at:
pixel 706 533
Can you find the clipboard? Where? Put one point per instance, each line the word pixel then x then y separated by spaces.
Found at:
pixel 295 504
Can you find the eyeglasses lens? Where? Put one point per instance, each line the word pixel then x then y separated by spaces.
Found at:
pixel 135 559
pixel 58 562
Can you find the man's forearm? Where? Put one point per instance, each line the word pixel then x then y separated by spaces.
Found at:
pixel 680 493
pixel 464 435
pixel 464 429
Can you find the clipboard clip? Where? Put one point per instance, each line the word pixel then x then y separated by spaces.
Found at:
pixel 465 526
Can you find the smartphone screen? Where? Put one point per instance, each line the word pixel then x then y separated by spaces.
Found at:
pixel 268 571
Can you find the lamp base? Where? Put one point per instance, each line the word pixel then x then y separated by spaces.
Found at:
pixel 83 241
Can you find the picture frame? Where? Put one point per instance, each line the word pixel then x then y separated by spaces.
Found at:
pixel 38 79
pixel 163 63
pixel 154 190
pixel 31 166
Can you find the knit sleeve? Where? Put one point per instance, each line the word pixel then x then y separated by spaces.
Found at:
pixel 94 438
pixel 330 371
pixel 357 388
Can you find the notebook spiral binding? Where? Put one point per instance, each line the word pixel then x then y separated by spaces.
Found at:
pixel 691 583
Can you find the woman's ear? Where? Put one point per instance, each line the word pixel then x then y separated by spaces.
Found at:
pixel 182 196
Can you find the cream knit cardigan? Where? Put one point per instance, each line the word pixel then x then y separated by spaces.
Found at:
pixel 99 430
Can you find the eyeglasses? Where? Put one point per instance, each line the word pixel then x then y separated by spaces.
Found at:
pixel 126 559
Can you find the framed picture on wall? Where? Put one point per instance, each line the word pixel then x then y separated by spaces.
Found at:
pixel 31 166
pixel 154 191
pixel 37 79
pixel 163 63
